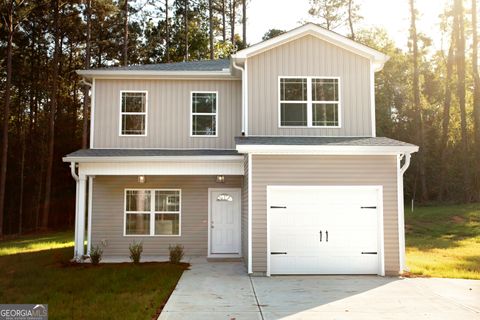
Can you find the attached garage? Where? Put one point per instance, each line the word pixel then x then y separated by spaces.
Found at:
pixel 325 229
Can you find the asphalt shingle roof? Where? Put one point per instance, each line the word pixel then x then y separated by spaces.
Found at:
pixel 204 65
pixel 332 141
pixel 150 152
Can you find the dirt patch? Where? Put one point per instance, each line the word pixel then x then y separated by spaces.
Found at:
pixel 458 219
pixel 407 274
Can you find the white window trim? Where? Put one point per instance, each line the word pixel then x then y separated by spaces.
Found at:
pixel 133 113
pixel 204 114
pixel 152 213
pixel 309 103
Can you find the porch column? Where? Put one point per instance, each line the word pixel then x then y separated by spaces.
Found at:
pixel 80 229
pixel 89 214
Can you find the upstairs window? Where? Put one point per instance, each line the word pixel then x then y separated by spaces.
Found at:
pixel 204 114
pixel 133 113
pixel 309 102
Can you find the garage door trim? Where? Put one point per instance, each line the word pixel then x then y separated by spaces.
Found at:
pixel 378 188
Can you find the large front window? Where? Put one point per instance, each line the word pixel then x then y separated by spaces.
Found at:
pixel 133 113
pixel 204 114
pixel 152 212
pixel 309 102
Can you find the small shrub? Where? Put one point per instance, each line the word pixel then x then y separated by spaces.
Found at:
pixel 136 250
pixel 176 253
pixel 96 255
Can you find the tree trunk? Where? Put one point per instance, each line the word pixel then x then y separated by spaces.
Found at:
pixel 53 110
pixel 6 116
pixel 186 30
pixel 224 23
pixel 350 20
pixel 232 21
pixel 22 178
pixel 417 106
pixel 476 97
pixel 125 34
pixel 460 62
pixel 446 119
pixel 210 31
pixel 244 22
pixel 167 33
pixel 86 99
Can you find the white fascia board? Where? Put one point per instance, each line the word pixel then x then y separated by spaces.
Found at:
pixel 152 74
pixel 325 149
pixel 142 159
pixel 162 168
pixel 377 57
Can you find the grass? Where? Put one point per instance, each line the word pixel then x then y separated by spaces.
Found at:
pixel 444 241
pixel 37 271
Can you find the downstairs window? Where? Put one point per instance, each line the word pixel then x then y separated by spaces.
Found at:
pixel 152 212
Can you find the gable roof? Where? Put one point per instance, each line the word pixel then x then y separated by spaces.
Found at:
pixel 378 58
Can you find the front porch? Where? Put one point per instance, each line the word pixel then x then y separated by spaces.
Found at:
pixel 194 201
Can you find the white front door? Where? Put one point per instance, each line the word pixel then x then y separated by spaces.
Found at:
pixel 225 221
pixel 322 230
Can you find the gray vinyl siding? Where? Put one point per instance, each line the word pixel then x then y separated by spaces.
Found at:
pixel 168 113
pixel 108 213
pixel 324 170
pixel 245 212
pixel 309 56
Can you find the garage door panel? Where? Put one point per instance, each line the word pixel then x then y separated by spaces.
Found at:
pixel 319 230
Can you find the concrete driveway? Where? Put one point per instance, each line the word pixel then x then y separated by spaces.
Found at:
pixel 223 290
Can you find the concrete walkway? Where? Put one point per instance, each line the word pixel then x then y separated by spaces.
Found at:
pixel 222 290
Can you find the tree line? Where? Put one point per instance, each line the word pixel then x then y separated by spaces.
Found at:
pixel 45 106
pixel 426 96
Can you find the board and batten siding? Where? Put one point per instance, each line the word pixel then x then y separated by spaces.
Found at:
pixel 327 171
pixel 308 56
pixel 168 113
pixel 108 213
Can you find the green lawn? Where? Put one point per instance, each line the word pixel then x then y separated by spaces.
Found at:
pixel 33 273
pixel 444 241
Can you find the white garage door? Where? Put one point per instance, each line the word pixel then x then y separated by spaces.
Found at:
pixel 324 230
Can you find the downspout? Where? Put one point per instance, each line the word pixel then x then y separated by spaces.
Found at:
pixel 75 177
pixel 401 213
pixel 242 69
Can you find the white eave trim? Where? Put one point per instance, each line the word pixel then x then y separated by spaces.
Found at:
pixel 232 158
pixel 325 149
pixel 378 58
pixel 154 74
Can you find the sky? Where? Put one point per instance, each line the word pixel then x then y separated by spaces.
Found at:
pixel 393 15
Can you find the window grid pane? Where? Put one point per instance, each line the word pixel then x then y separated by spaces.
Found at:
pixel 133 124
pixel 293 89
pixel 167 201
pixel 325 114
pixel 133 101
pixel 325 89
pixel 204 102
pixel 293 114
pixel 138 200
pixel 167 224
pixel 138 224
pixel 204 125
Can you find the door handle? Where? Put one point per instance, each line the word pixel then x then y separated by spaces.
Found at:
pixel 320 235
pixel 326 234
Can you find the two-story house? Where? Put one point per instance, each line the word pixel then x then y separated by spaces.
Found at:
pixel 270 157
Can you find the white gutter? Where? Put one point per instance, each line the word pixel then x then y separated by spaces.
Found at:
pixel 234 63
pixel 325 149
pixel 249 214
pixel 401 213
pixel 148 74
